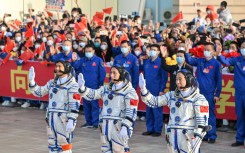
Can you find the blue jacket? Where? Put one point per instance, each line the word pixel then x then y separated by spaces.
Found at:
pixel 208 74
pixel 156 78
pixel 239 70
pixel 131 64
pixel 93 71
pixel 61 56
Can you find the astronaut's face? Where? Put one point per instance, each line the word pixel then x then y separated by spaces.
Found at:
pixel 59 69
pixel 180 81
pixel 114 75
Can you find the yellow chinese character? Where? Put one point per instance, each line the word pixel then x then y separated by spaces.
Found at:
pixel 19 82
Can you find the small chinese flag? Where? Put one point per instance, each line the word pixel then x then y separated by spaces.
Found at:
pixel 84 22
pixel 79 26
pixel 99 15
pixel 2 34
pixel 40 49
pixel 29 43
pixel 140 43
pixel 123 37
pixel 76 96
pixel 17 22
pixel 108 10
pixel 29 33
pixel 134 102
pixel 50 14
pixel 9 45
pixel 178 17
pixel 27 55
pixel 61 36
pixel 204 109
pixel 113 33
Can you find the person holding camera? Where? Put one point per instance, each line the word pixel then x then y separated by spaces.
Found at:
pixel 63 107
pixel 189 112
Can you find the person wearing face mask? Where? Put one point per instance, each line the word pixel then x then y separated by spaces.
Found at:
pixel 63 107
pixel 156 79
pixel 105 51
pixel 239 84
pixel 189 112
pixel 18 38
pixel 118 114
pixel 209 78
pixel 94 73
pixel 75 45
pixel 65 55
pixel 129 61
pixel 173 69
pixel 83 41
pixel 210 13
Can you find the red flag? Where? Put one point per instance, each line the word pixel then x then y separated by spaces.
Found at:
pixel 123 37
pixel 84 22
pixel 61 36
pixel 99 21
pixel 45 62
pixel 99 15
pixel 76 96
pixel 9 45
pixel 134 102
pixel 29 33
pixel 2 35
pixel 204 109
pixel 40 49
pixel 79 26
pixel 29 43
pixel 49 13
pixel 5 60
pixel 140 43
pixel 178 17
pixel 108 10
pixel 27 55
pixel 113 33
pixel 17 22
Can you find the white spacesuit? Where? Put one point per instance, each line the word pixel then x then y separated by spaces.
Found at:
pixel 62 111
pixel 118 113
pixel 188 115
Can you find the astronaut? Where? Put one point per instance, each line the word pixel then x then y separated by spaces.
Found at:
pixel 189 112
pixel 63 107
pixel 118 113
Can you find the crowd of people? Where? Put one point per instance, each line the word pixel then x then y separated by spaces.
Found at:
pixel 209 45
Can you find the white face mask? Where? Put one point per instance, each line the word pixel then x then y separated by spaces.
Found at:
pixel 37 46
pixel 75 46
pixel 22 51
pixel 1 47
pixel 15 49
pixel 3 28
pixel 137 52
pixel 44 39
pixel 50 42
pixel 18 39
pixel 208 11
pixel 103 47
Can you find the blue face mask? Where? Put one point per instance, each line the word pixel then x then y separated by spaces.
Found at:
pixel 153 53
pixel 66 48
pixel 242 51
pixel 54 36
pixel 96 44
pixel 180 60
pixel 133 44
pixel 88 54
pixel 207 53
pixel 124 50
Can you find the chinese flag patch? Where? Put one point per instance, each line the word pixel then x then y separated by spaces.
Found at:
pixel 204 109
pixel 94 64
pixel 155 66
pixel 134 102
pixel 76 96
pixel 128 62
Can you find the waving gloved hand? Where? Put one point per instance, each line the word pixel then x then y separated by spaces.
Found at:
pixel 142 84
pixel 31 76
pixel 124 133
pixel 81 82
pixel 70 126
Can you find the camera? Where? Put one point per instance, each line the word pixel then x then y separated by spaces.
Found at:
pixel 8 15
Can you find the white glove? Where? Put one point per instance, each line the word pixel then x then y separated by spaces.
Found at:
pixel 70 126
pixel 81 81
pixel 124 133
pixel 32 76
pixel 142 84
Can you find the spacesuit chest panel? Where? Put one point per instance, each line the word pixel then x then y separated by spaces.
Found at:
pixel 182 112
pixel 58 97
pixel 113 104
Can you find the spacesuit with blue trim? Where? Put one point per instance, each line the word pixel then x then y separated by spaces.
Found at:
pixel 62 111
pixel 118 113
pixel 188 115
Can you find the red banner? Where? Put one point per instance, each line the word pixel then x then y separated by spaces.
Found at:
pixel 14 83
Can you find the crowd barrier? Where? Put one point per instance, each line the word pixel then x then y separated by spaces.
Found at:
pixel 14 83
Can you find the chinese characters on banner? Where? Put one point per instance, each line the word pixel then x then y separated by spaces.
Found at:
pixel 55 5
pixel 14 83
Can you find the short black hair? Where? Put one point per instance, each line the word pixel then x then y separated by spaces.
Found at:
pixel 125 41
pixel 89 46
pixel 224 4
pixel 156 45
